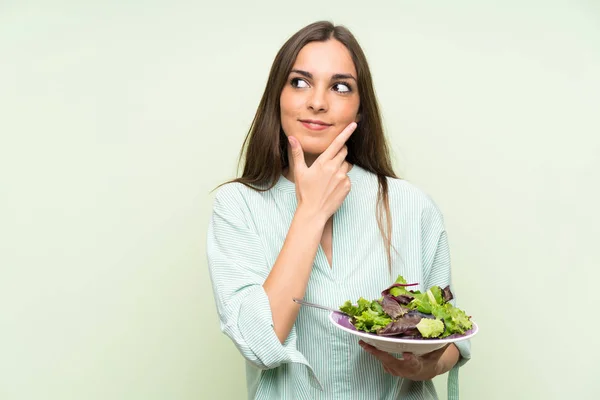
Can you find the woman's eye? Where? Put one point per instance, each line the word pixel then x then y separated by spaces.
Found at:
pixel 299 83
pixel 342 88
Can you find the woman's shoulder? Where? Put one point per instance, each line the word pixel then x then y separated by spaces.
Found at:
pixel 409 195
pixel 239 196
pixel 401 192
pixel 229 189
pixel 231 195
pixel 402 187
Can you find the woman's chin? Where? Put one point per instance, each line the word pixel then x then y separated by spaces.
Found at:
pixel 313 147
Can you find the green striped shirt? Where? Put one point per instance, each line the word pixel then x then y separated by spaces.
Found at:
pixel 318 361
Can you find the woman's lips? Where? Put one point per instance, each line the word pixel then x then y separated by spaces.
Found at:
pixel 314 125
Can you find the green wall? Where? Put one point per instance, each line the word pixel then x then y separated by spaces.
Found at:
pixel 118 118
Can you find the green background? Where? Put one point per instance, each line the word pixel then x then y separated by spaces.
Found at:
pixel 118 118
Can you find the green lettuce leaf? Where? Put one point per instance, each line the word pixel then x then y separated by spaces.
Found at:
pixel 349 308
pixel 438 294
pixel 455 319
pixel 430 327
pixel 421 303
pixel 398 290
pixel 363 305
pixel 371 321
pixel 425 302
pixel 377 307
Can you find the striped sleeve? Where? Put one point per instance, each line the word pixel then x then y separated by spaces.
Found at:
pixel 436 261
pixel 238 269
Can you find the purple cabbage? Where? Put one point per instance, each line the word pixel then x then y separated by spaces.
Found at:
pixel 447 294
pixel 406 325
pixel 392 308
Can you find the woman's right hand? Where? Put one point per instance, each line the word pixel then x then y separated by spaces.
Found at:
pixel 322 187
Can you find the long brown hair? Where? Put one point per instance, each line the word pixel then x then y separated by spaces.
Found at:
pixel 264 151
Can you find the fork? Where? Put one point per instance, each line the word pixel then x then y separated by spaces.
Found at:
pixel 309 304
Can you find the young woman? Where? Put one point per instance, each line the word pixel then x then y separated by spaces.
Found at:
pixel 319 214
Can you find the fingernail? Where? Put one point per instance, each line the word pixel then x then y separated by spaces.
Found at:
pixel 292 141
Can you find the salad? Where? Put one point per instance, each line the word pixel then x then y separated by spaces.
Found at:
pixel 408 313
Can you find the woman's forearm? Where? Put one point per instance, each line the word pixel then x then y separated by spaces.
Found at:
pixel 290 274
pixel 448 360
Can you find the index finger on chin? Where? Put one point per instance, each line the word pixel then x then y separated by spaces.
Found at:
pixel 339 142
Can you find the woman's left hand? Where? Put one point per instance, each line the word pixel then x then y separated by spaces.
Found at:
pixel 415 368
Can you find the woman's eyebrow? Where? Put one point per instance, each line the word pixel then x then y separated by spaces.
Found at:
pixel 334 77
pixel 342 76
pixel 303 73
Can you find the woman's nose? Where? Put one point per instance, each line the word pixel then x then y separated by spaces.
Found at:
pixel 317 101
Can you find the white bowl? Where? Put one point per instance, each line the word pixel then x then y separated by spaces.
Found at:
pixel 398 345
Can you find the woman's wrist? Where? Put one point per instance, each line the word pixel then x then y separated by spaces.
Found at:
pixel 312 216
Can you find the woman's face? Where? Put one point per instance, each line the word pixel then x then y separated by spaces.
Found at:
pixel 320 97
